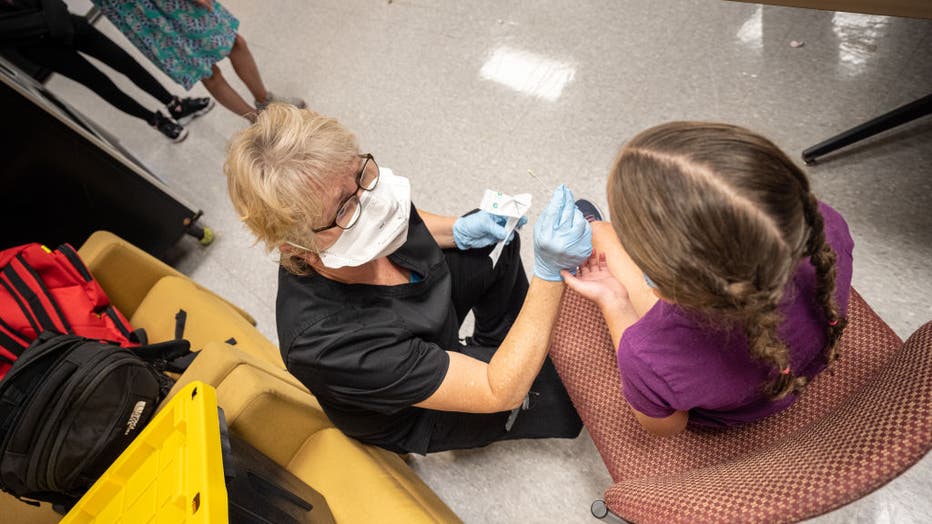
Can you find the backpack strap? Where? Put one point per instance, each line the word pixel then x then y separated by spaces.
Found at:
pixel 76 262
pixel 123 328
pixel 181 318
pixel 32 292
pixel 22 305
pixel 11 340
pixel 180 364
pixel 139 336
pixel 171 355
pixel 164 351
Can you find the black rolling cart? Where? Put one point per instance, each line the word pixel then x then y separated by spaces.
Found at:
pixel 62 177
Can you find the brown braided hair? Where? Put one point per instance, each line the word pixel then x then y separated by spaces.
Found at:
pixel 719 218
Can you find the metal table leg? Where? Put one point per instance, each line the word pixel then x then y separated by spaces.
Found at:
pixel 898 116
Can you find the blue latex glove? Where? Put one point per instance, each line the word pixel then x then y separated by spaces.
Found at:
pixel 562 237
pixel 481 229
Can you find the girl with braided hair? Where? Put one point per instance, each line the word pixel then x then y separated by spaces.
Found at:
pixel 723 280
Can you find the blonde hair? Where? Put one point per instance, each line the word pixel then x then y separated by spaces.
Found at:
pixel 276 170
pixel 719 218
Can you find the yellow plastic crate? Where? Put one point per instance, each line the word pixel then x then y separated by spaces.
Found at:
pixel 171 473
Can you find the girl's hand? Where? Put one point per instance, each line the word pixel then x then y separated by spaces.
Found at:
pixel 207 4
pixel 596 283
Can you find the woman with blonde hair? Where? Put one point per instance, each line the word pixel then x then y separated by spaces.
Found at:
pixel 372 292
pixel 723 280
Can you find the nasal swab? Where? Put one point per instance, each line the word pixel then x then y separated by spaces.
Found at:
pixel 541 182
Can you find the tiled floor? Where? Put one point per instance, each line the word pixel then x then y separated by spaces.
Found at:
pixel 462 96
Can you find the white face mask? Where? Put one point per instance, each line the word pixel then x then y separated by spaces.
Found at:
pixel 382 226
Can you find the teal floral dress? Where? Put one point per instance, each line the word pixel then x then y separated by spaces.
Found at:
pixel 182 38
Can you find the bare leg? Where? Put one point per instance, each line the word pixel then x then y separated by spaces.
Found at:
pixel 622 267
pixel 247 70
pixel 218 88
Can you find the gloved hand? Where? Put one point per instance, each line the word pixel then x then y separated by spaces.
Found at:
pixel 481 229
pixel 562 237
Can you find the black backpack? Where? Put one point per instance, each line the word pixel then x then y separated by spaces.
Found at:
pixel 69 406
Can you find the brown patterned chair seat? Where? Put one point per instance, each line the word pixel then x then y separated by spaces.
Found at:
pixel 853 429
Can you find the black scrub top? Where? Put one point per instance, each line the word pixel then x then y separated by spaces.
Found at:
pixel 369 352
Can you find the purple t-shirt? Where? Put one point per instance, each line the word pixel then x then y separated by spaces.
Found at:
pixel 670 361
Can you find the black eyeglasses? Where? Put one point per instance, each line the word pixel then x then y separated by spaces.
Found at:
pixel 349 210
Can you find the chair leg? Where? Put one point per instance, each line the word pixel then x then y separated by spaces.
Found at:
pixel 600 511
pixel 897 117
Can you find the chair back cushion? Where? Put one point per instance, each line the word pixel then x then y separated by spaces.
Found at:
pixel 209 319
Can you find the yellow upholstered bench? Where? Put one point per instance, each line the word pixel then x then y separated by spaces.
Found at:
pixel 263 403
pixel 272 411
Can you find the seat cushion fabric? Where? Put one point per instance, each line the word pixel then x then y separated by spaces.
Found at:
pixel 873 436
pixel 583 354
pixel 347 472
pixel 18 512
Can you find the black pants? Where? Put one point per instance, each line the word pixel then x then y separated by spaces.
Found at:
pixel 65 59
pixel 496 295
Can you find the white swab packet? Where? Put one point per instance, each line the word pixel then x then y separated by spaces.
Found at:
pixel 513 207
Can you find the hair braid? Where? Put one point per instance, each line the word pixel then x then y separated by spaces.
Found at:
pixel 823 259
pixel 761 318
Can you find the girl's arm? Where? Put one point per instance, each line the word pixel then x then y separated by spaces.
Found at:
pixel 596 283
pixel 619 316
pixel 662 427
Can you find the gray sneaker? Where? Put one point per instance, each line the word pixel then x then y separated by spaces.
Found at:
pixel 589 210
pixel 273 99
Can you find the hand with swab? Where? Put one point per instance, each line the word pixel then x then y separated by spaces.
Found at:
pixel 562 237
